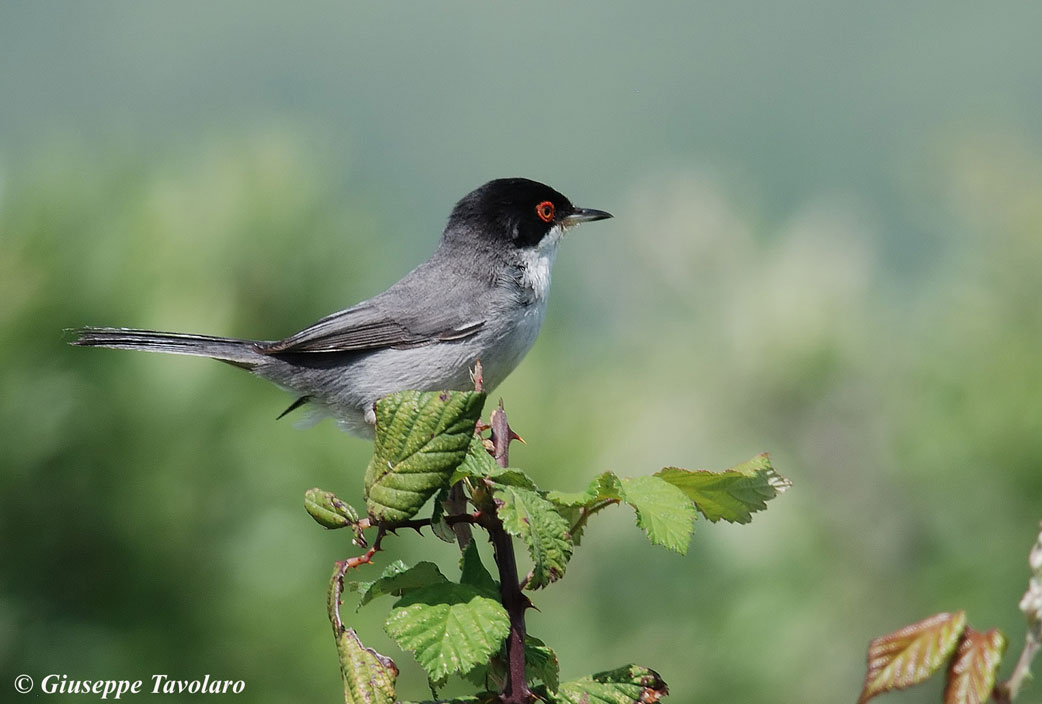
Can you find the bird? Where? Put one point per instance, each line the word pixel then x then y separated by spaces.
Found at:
pixel 480 297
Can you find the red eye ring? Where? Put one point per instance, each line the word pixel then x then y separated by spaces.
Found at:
pixel 545 211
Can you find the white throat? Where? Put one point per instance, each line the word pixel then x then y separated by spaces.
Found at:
pixel 539 261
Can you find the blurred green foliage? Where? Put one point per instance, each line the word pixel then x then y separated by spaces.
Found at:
pixel 150 507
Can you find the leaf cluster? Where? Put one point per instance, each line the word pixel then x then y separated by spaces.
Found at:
pixel 427 442
pixel 969 658
pixel 912 654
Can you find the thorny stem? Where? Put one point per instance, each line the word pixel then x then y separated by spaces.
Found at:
pixel 463 519
pixel 337 589
pixel 514 601
pixel 417 523
pixel 1031 605
pixel 1007 691
pixel 516 690
pixel 366 558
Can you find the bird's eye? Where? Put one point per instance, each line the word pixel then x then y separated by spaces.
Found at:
pixel 545 211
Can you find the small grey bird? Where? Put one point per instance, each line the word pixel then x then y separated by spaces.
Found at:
pixel 481 296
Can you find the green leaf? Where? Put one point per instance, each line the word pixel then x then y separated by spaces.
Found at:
pixel 541 663
pixel 632 684
pixel 577 507
pixel 732 495
pixel 328 510
pixel 396 581
pixel 910 655
pixel 448 627
pixel 361 586
pixel 604 487
pixel 369 677
pixel 971 674
pixel 421 438
pixel 439 526
pixel 511 476
pixel 479 676
pixel 477 463
pixel 663 511
pixel 474 574
pixel 527 515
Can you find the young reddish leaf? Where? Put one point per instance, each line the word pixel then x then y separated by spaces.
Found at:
pixel 971 675
pixel 910 655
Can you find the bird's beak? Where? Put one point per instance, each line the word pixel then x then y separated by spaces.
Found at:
pixel 579 215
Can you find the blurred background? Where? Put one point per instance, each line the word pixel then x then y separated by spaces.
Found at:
pixel 827 245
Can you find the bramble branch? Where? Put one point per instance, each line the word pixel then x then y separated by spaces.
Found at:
pixel 514 601
pixel 1031 605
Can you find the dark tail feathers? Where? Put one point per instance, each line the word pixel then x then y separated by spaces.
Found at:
pixel 241 353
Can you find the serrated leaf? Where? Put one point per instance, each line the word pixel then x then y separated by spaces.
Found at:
pixel 540 665
pixel 732 495
pixel 527 515
pixel 421 438
pixel 577 507
pixel 369 678
pixel 971 674
pixel 329 511
pixel 396 581
pixel 362 586
pixel 663 511
pixel 474 574
pixel 570 499
pixel 511 476
pixel 448 627
pixel 604 486
pixel 439 526
pixel 626 685
pixel 477 462
pixel 911 654
pixel 479 677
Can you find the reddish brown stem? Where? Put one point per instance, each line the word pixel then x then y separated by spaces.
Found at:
pixel 514 601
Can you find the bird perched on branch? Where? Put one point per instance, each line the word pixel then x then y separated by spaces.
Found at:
pixel 480 297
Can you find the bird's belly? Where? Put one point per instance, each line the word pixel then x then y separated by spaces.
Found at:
pixel 511 345
pixel 346 387
pixel 448 365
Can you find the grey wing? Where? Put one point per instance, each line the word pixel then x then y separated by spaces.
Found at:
pixel 367 327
